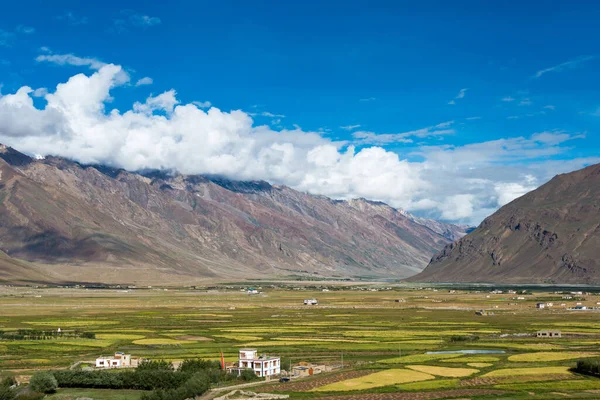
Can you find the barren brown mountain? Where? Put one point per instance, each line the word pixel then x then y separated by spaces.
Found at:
pixel 64 222
pixel 550 235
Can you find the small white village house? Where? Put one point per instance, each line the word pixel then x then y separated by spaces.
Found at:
pixel 311 302
pixel 548 334
pixel 119 360
pixel 541 305
pixel 263 366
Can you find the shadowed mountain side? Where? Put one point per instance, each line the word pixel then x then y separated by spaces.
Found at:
pixel 549 235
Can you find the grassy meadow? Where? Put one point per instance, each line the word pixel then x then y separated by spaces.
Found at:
pixel 381 343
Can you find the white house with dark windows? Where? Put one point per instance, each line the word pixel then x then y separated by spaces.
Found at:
pixel 263 365
pixel 548 334
pixel 119 360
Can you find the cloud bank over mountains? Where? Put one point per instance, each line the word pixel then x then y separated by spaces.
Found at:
pixel 456 183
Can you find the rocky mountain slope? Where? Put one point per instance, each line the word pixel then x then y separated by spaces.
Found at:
pixel 61 221
pixel 550 235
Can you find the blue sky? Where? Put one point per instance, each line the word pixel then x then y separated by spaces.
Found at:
pixel 433 82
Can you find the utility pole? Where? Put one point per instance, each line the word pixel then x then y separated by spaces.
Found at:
pixel 342 359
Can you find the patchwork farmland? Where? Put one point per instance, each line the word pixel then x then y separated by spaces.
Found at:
pixel 376 346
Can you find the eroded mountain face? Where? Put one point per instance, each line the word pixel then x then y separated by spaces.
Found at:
pixel 550 235
pixel 99 224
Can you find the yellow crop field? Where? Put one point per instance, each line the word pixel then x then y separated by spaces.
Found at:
pixel 119 336
pixel 318 324
pixel 35 361
pixel 202 315
pixel 377 379
pixel 443 371
pixel 160 341
pixel 520 346
pixel 580 384
pixel 239 337
pixel 446 323
pixel 472 359
pixel 68 323
pixel 326 340
pixel 85 342
pixel 418 358
pixel 549 356
pixel 528 371
pixel 479 364
pixel 252 330
pixel 430 385
pixel 124 331
pixel 396 334
pixel 419 341
pixel 276 343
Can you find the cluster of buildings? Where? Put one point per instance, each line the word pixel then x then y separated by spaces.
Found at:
pixel 264 366
pixel 308 369
pixel 579 306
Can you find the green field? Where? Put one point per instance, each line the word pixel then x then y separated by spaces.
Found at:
pixel 365 330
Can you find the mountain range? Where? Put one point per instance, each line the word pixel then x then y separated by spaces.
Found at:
pixel 550 235
pixel 61 221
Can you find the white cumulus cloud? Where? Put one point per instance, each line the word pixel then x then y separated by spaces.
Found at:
pixel 457 183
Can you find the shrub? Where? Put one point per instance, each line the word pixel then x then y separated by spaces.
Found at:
pixel 588 367
pixel 8 382
pixel 28 395
pixel 6 393
pixel 464 338
pixel 196 385
pixel 43 382
pixel 248 375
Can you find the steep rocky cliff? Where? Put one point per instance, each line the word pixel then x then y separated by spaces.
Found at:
pixel 550 235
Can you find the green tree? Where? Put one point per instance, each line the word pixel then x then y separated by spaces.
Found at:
pixel 8 381
pixel 248 375
pixel 43 382
pixel 195 365
pixel 155 364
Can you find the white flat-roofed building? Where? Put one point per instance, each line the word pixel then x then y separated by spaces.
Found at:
pixel 263 366
pixel 119 360
pixel 548 334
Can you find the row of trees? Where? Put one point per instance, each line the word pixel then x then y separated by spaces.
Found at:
pixel 143 379
pixel 34 334
pixel 192 378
